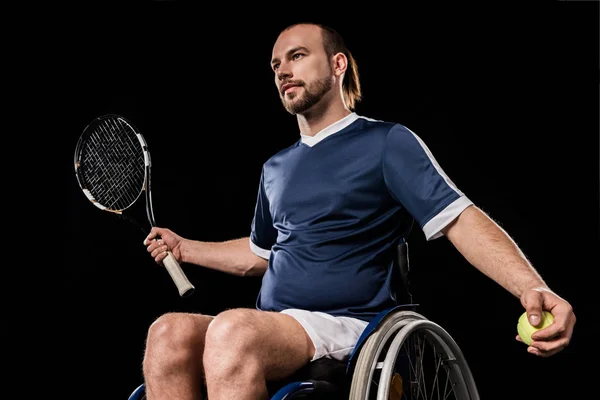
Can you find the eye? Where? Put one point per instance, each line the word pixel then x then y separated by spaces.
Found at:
pixel 296 56
pixel 275 66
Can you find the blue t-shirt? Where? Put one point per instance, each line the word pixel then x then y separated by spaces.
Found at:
pixel 332 208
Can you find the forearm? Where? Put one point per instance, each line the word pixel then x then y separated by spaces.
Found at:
pixel 491 250
pixel 233 256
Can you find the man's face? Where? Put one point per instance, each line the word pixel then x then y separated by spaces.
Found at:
pixel 303 75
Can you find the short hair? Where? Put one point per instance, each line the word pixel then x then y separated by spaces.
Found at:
pixel 334 43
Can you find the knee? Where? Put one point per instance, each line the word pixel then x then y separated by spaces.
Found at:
pixel 231 335
pixel 176 333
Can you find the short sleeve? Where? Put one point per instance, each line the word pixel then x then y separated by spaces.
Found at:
pixel 263 234
pixel 414 178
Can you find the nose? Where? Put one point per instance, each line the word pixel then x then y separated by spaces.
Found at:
pixel 283 72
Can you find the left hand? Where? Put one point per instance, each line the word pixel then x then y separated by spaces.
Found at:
pixel 555 337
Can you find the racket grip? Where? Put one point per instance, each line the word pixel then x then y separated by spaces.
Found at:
pixel 181 281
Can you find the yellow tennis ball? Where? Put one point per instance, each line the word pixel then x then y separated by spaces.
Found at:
pixel 525 329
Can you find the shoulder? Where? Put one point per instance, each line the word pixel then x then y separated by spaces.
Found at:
pixel 376 125
pixel 282 154
pixel 384 128
pixel 399 135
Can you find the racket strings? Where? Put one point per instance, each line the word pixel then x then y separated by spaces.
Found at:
pixel 114 164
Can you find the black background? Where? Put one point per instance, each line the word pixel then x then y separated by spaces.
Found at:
pixel 505 96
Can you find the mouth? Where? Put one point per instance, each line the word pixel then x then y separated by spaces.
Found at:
pixel 288 86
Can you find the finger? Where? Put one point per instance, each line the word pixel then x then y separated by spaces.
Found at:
pixel 154 233
pixel 543 352
pixel 160 251
pixel 547 347
pixel 152 245
pixel 149 238
pixel 532 300
pixel 518 337
pixel 536 352
pixel 550 332
pixel 559 340
pixel 160 256
pixel 550 347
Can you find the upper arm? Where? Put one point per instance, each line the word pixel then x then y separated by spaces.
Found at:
pixel 471 224
pixel 414 177
pixel 263 234
pixel 460 225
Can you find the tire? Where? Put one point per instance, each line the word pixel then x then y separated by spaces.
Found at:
pixel 408 333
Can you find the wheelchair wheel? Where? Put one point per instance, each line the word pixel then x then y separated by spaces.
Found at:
pixel 139 393
pixel 411 357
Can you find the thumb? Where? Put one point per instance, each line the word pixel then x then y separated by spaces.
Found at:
pixel 153 233
pixel 532 301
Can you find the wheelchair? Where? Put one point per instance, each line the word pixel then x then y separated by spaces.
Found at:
pixel 401 355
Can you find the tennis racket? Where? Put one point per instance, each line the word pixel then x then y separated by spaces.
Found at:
pixel 112 165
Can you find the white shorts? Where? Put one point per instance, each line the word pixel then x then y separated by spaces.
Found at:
pixel 333 337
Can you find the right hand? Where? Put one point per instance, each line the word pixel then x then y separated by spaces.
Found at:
pixel 160 240
pixel 555 337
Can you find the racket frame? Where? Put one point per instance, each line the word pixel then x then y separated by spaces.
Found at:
pixel 170 263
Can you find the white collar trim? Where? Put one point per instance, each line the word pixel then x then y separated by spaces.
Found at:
pixel 330 130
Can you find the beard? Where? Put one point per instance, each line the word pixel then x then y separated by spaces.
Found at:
pixel 313 93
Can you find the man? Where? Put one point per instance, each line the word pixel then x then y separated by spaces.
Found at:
pixel 330 211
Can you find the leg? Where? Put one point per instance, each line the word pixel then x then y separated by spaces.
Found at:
pixel 173 357
pixel 245 348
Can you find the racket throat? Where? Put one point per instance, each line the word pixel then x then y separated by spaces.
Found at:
pixel 149 207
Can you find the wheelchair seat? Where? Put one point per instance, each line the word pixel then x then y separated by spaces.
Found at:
pixel 324 378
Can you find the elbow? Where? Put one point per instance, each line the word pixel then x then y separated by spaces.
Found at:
pixel 249 272
pixel 256 267
pixel 252 271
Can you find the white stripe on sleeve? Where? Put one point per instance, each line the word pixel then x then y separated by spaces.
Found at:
pixel 259 251
pixel 436 224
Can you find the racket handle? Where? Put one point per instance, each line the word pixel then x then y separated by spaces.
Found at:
pixel 183 284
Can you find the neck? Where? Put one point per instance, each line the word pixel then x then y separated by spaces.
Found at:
pixel 318 118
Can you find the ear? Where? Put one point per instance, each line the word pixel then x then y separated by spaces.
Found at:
pixel 339 64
